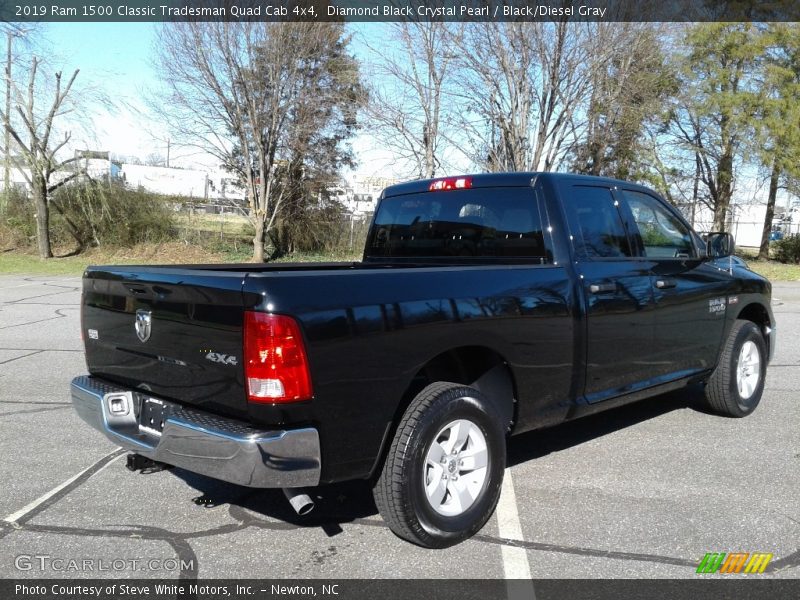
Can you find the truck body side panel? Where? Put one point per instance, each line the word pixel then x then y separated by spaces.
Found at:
pixel 370 332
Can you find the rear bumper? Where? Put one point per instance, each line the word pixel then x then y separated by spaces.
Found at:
pixel 201 442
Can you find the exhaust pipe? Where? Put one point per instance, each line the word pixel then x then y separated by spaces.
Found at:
pixel 301 502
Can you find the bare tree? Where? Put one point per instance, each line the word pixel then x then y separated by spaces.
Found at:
pixel 409 104
pixel 11 32
pixel 34 132
pixel 234 90
pixel 155 159
pixel 523 84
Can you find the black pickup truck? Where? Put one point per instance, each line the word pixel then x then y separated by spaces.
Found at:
pixel 484 306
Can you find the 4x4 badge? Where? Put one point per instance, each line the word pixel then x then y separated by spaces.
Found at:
pixel 143 324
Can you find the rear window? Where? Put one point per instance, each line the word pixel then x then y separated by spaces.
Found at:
pixel 474 223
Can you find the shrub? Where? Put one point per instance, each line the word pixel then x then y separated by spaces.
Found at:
pixel 110 215
pixel 19 216
pixel 787 250
pixel 94 214
pixel 318 229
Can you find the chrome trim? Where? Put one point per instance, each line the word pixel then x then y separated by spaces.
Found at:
pixel 201 442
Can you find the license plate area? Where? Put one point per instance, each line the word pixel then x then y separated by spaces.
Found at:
pixel 153 415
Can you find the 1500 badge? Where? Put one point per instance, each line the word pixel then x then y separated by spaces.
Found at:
pixel 716 305
pixel 225 359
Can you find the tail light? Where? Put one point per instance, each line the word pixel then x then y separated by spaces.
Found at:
pixel 451 183
pixel 275 361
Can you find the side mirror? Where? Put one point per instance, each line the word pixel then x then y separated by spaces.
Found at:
pixel 719 244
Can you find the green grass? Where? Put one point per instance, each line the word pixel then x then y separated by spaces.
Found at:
pixel 775 271
pixel 320 257
pixel 14 263
pixel 771 269
pixel 227 225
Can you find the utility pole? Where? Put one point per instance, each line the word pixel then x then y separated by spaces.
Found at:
pixel 168 143
pixel 7 139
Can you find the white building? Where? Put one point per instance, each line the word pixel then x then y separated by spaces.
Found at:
pixel 360 195
pixel 189 183
pixel 746 219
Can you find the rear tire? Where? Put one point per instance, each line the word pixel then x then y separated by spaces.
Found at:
pixel 442 476
pixel 736 385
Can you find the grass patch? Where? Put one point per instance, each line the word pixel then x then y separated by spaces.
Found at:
pixel 222 225
pixel 13 263
pixel 320 257
pixel 773 270
pixel 28 262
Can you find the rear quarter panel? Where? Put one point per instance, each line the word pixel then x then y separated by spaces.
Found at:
pixel 369 332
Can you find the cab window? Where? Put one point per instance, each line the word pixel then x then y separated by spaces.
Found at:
pixel 663 234
pixel 601 227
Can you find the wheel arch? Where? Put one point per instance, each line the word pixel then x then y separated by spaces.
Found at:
pixel 477 366
pixel 757 313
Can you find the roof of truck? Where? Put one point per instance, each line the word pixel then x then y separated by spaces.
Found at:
pixel 483 180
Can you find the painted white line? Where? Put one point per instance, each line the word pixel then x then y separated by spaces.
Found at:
pixel 14 517
pixel 515 560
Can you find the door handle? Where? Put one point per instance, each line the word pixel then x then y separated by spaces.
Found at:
pixel 599 288
pixel 664 284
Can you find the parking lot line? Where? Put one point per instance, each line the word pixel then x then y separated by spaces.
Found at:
pixel 92 469
pixel 515 560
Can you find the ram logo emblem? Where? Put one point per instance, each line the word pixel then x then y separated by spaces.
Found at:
pixel 143 324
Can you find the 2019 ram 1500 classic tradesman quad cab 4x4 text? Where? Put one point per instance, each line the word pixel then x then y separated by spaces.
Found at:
pixel 485 306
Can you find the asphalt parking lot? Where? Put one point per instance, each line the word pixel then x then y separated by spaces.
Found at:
pixel 643 491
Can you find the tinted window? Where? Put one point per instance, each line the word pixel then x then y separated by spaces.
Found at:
pixel 601 225
pixel 482 222
pixel 663 235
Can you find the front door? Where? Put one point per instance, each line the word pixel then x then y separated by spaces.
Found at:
pixel 690 294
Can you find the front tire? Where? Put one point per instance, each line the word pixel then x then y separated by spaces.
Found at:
pixel 736 385
pixel 442 476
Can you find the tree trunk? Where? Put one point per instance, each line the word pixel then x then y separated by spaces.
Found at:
pixel 725 184
pixel 721 213
pixel 763 252
pixel 42 219
pixel 258 241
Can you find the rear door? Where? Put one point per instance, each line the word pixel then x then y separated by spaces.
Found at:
pixel 174 332
pixel 690 294
pixel 618 294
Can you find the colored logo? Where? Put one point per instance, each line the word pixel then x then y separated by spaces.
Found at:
pixel 734 562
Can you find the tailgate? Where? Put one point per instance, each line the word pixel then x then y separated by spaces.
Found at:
pixel 172 331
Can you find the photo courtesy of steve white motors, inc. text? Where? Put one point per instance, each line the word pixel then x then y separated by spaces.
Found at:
pixel 149 590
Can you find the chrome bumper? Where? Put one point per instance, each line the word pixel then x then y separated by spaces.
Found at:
pixel 201 442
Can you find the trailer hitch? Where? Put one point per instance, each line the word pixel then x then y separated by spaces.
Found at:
pixel 137 462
